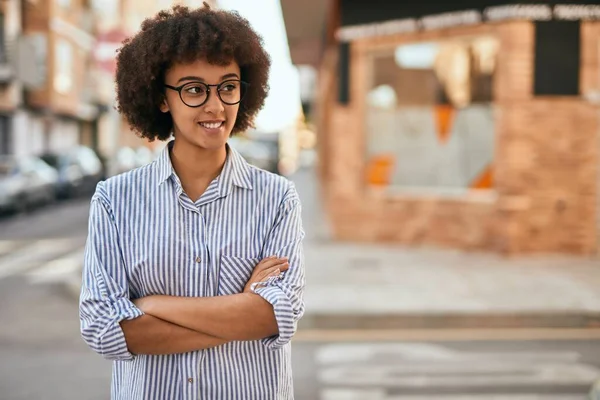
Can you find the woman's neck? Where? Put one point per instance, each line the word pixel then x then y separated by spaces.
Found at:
pixel 196 167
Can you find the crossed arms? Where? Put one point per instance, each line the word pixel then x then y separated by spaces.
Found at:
pixel 179 324
pixel 115 326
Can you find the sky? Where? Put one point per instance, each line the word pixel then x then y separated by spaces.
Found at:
pixel 282 106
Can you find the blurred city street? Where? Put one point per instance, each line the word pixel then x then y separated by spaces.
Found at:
pixel 447 157
pixel 43 356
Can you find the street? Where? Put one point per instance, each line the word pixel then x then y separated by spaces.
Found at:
pixel 43 357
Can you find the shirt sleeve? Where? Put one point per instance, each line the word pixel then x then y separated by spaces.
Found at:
pixel 286 293
pixel 104 299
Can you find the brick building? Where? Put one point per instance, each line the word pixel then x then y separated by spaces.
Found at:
pixel 57 61
pixel 10 88
pixel 62 108
pixel 471 125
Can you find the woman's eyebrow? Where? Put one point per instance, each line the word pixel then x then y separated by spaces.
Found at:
pixel 231 75
pixel 190 78
pixel 198 78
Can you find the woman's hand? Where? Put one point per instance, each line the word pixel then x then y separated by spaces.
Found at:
pixel 267 268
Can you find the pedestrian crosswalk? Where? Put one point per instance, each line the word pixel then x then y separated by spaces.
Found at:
pixel 379 395
pixel 43 260
pixel 419 371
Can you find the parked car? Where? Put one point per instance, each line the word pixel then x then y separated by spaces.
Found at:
pixel 79 171
pixel 26 182
pixel 261 151
pixel 128 158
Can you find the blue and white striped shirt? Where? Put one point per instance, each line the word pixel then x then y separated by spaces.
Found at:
pixel 147 237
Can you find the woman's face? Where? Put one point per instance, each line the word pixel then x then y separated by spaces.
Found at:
pixel 209 125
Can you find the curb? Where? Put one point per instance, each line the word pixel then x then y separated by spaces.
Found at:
pixel 467 320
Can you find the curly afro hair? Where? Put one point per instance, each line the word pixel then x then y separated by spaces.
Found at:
pixel 181 35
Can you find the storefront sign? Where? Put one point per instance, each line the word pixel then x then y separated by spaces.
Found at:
pixel 531 12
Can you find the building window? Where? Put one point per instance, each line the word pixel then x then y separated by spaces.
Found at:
pixel 429 115
pixel 107 13
pixel 5 135
pixel 63 78
pixel 3 55
pixel 557 58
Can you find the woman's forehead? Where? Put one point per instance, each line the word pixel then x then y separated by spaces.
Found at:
pixel 203 70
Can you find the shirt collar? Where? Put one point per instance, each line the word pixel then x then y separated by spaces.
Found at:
pixel 236 170
pixel 164 167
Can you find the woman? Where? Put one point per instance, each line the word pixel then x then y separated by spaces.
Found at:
pixel 193 276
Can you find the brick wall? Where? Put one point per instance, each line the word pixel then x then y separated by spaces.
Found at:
pixel 9 92
pixel 36 20
pixel 546 162
pixel 590 85
pixel 65 25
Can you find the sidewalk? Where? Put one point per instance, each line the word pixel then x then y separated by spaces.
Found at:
pixel 358 286
pixel 366 286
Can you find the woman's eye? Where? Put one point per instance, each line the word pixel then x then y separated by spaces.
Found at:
pixel 228 87
pixel 195 90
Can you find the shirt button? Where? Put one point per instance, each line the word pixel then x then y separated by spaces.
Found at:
pixel 191 380
pixel 198 259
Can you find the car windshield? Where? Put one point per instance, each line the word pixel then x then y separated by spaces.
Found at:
pixel 51 159
pixel 7 166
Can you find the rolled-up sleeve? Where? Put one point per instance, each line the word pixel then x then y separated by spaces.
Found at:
pixel 104 299
pixel 286 294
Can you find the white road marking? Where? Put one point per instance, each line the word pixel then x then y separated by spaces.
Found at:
pixel 34 254
pixel 365 370
pixel 59 269
pixel 8 246
pixel 416 352
pixel 443 335
pixel 349 394
pixel 476 375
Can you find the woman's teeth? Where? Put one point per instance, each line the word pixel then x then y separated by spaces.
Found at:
pixel 211 125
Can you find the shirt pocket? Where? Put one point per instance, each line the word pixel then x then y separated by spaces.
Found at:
pixel 234 273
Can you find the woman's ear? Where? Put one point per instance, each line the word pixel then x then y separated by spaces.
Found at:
pixel 164 106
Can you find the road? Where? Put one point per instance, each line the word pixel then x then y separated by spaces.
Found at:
pixel 43 357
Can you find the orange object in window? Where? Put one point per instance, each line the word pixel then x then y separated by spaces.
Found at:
pixel 379 169
pixel 444 114
pixel 485 180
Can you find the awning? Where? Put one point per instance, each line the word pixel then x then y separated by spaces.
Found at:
pixel 305 24
pixel 357 12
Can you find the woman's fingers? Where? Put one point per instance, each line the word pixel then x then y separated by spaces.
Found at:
pixel 269 262
pixel 273 271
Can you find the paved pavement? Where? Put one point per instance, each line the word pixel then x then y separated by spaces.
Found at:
pixel 427 288
pixel 414 370
pixel 43 357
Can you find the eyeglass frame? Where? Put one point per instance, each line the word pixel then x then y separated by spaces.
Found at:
pixel 243 87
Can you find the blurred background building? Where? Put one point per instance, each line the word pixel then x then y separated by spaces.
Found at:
pixel 57 91
pixel 471 125
pixel 47 92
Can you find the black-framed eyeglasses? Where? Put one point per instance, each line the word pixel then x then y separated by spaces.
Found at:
pixel 195 94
